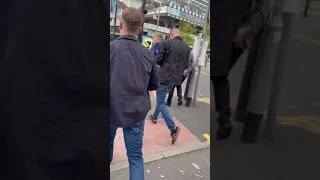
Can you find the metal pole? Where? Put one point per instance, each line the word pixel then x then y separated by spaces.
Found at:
pixel 244 94
pixel 263 74
pixel 158 18
pixel 306 9
pixel 278 74
pixel 205 32
pixel 142 9
pixel 185 96
pixel 115 22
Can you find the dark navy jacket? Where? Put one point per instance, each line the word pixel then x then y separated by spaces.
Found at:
pixel 133 74
pixel 155 48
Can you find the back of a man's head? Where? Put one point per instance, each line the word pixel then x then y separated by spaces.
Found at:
pixel 174 33
pixel 131 20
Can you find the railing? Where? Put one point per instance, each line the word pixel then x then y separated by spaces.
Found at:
pixel 183 5
pixel 187 7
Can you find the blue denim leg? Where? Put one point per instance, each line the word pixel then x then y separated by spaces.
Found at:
pixel 133 138
pixel 161 107
pixel 156 113
pixel 113 132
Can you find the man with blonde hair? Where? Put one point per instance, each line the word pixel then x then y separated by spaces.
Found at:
pixel 156 42
pixel 133 73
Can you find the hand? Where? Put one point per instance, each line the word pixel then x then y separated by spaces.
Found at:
pixel 185 72
pixel 240 34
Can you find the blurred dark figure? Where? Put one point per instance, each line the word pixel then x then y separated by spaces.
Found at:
pixel 235 24
pixel 54 90
pixel 173 59
pixel 179 88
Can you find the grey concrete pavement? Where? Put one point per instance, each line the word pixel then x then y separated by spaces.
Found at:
pixel 204 84
pixel 195 118
pixel 189 166
pixel 292 155
pixel 300 90
pixel 294 152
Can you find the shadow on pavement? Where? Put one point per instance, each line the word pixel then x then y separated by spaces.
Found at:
pixel 294 154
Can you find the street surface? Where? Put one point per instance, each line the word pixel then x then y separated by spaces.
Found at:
pixel 294 152
pixel 196 118
pixel 190 166
pixel 300 90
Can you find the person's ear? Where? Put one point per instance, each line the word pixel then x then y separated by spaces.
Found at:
pixel 139 30
pixel 120 25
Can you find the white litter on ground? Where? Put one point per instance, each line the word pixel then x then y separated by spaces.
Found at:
pixel 148 171
pixel 182 172
pixel 196 166
pixel 161 176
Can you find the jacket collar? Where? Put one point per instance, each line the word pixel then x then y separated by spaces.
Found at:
pixel 127 37
pixel 158 44
pixel 178 37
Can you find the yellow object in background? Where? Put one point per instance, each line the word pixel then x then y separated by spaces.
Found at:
pixel 147 42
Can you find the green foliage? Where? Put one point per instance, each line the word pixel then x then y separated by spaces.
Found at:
pixel 188 32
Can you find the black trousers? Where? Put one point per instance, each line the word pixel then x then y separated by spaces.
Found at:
pixel 179 92
pixel 222 89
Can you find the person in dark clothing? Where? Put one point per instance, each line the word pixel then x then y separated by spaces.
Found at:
pixel 251 23
pixel 173 59
pixel 133 73
pixel 54 90
pixel 179 88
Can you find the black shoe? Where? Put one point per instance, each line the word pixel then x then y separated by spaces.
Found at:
pixel 224 131
pixel 168 103
pixel 180 103
pixel 175 134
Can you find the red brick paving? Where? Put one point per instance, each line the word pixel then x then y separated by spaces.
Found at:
pixel 156 139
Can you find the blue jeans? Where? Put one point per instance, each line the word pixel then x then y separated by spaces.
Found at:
pixel 133 139
pixel 161 107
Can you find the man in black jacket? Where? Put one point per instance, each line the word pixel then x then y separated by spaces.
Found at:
pixel 236 37
pixel 173 58
pixel 179 88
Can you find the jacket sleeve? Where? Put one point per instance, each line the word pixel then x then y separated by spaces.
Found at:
pixel 161 53
pixel 259 17
pixel 154 81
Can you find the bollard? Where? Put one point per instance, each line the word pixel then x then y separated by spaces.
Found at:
pixel 185 95
pixel 262 77
pixel 243 98
pixel 191 88
pixel 291 8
